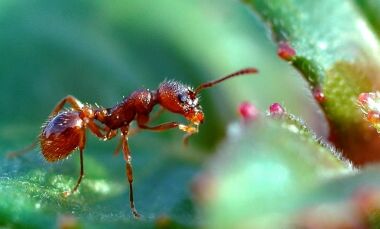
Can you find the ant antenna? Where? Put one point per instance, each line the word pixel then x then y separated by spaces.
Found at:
pixel 212 83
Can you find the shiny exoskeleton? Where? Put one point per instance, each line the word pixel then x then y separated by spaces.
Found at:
pixel 65 130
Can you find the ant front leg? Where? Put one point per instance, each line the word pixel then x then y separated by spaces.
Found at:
pixel 128 159
pixel 143 119
pixel 189 129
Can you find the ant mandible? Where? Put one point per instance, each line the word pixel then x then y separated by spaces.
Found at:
pixel 65 130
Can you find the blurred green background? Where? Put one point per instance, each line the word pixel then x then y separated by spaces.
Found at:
pixel 100 51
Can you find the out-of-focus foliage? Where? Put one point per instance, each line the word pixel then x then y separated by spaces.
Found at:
pixel 268 173
pixel 337 53
pixel 370 9
pixel 253 184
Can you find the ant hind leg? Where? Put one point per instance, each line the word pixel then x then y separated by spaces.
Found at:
pixel 21 152
pixel 74 102
pixel 81 173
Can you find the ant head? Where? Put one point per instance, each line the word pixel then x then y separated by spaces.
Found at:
pixel 183 100
pixel 180 99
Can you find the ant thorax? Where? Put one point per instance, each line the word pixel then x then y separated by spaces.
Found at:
pixel 140 102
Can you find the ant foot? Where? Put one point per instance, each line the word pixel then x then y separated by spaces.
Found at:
pixel 188 129
pixel 15 154
pixel 136 215
pixel 11 155
pixel 19 153
pixel 67 194
pixel 185 139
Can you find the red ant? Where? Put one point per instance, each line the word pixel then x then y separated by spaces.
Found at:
pixel 65 130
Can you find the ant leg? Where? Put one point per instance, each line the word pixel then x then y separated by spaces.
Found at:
pixel 157 114
pixel 120 144
pixel 189 129
pixel 161 127
pixel 19 153
pixel 118 147
pixel 143 119
pixel 131 132
pixel 186 138
pixel 81 174
pixel 128 159
pixel 74 102
pixel 153 118
pixel 141 125
pixel 97 130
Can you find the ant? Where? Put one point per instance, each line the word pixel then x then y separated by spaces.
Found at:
pixel 65 130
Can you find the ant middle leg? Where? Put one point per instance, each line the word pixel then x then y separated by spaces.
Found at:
pixel 141 120
pixel 128 159
pixel 132 132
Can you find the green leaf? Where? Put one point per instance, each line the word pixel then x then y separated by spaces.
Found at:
pixel 259 178
pixel 370 9
pixel 253 184
pixel 337 51
pixel 32 190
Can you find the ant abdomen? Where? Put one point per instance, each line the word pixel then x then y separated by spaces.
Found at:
pixel 61 135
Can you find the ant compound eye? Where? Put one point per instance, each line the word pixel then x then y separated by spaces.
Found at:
pixel 182 98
